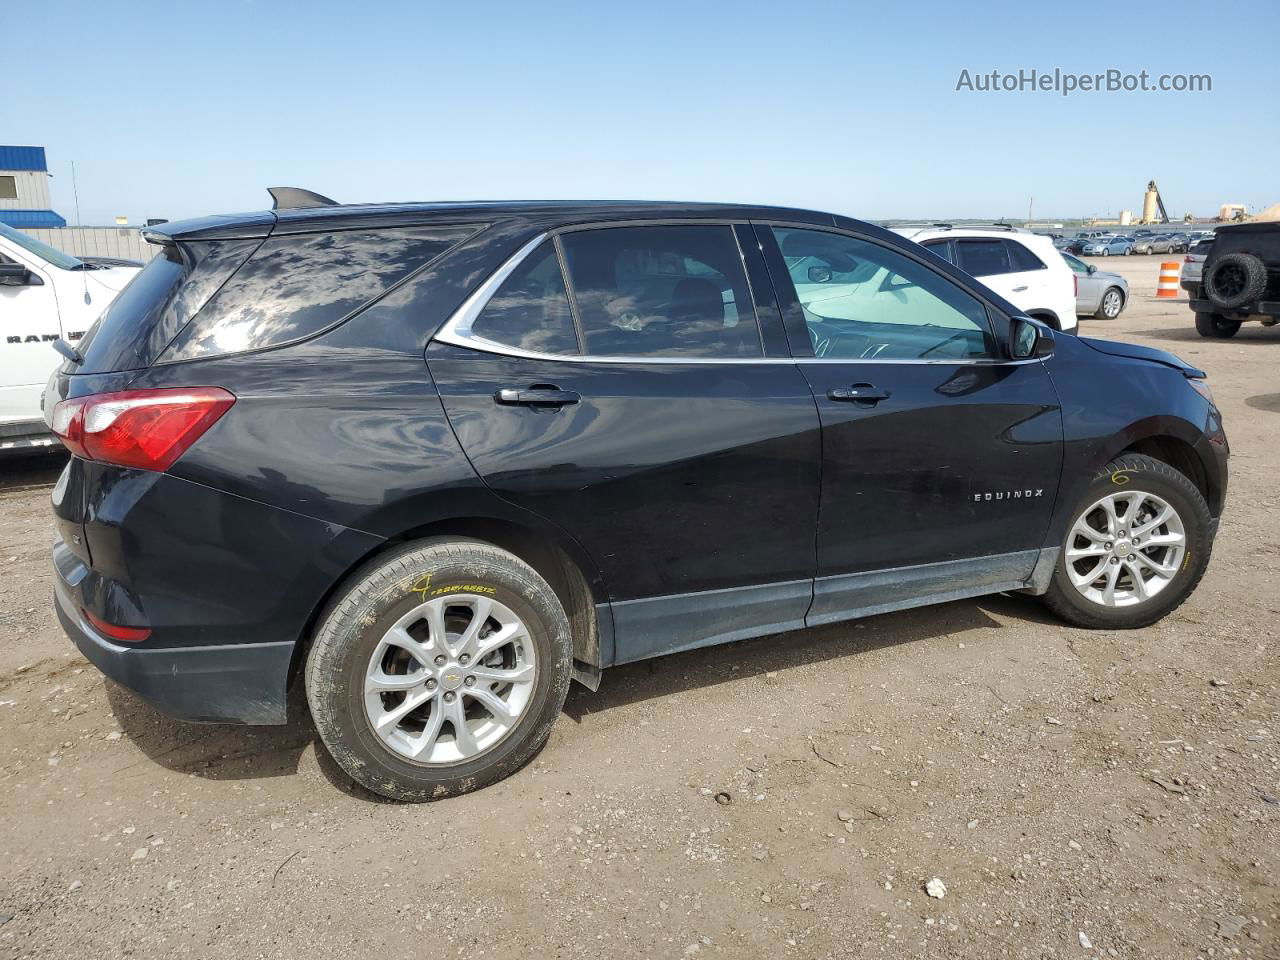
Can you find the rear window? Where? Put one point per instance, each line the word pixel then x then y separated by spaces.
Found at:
pixel 157 303
pixel 1020 258
pixel 297 286
pixel 982 258
pixel 658 291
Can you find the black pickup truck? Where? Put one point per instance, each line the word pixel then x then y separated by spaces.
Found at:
pixel 1241 280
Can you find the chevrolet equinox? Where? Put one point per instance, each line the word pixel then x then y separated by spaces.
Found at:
pixel 436 460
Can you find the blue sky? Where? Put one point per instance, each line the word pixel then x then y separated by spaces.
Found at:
pixel 177 109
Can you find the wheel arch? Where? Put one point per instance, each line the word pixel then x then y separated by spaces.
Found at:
pixel 556 559
pixel 1047 316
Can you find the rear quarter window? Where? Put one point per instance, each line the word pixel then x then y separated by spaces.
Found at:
pixel 297 286
pixel 148 313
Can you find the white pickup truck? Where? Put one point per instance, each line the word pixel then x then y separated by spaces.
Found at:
pixel 44 295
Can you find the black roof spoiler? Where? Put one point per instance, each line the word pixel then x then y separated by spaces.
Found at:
pixel 295 198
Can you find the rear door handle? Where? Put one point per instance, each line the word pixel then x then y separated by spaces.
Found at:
pixel 537 396
pixel 1020 289
pixel 867 393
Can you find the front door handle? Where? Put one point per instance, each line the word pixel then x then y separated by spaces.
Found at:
pixel 864 393
pixel 1020 289
pixel 537 396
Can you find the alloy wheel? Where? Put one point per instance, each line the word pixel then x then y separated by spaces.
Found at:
pixel 1125 548
pixel 1111 304
pixel 450 679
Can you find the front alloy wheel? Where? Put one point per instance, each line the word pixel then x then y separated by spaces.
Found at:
pixel 1137 545
pixel 1125 548
pixel 1112 304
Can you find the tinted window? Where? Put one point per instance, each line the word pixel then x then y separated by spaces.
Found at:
pixel 1202 247
pixel 983 258
pixel 1020 258
pixel 942 248
pixel 531 308
pixel 865 301
pixel 662 292
pixel 297 286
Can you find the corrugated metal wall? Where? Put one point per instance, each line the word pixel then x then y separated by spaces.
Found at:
pixel 123 242
pixel 32 190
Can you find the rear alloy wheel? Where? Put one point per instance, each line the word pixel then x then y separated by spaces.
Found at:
pixel 1215 326
pixel 1137 546
pixel 440 669
pixel 1111 305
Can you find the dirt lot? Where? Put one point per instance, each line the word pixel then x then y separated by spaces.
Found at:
pixel 980 742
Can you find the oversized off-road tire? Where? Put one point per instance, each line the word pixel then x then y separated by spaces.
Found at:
pixel 1136 545
pixel 1215 326
pixel 1110 305
pixel 1234 280
pixel 439 668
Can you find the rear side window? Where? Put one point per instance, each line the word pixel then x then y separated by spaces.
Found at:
pixel 982 258
pixel 531 310
pixel 1021 259
pixel 662 291
pixel 297 286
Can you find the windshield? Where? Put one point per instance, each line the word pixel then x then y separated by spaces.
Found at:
pixel 41 250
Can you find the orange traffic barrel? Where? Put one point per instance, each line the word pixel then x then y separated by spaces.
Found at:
pixel 1168 285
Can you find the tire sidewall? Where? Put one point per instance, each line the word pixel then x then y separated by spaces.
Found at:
pixel 1196 522
pixel 347 638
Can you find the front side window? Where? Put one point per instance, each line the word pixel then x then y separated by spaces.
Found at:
pixel 982 258
pixel 865 301
pixel 531 311
pixel 1077 266
pixel 662 291
pixel 942 248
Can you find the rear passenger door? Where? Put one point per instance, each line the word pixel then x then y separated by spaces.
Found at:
pixel 627 383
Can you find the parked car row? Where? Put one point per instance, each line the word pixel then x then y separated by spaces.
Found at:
pixel 1100 244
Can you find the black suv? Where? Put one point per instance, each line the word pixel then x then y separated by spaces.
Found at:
pixel 1240 281
pixel 436 460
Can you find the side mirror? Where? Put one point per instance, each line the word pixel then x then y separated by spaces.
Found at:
pixel 1029 340
pixel 16 275
pixel 819 274
pixel 1092 269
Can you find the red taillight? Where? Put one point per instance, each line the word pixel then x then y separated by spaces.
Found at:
pixel 113 632
pixel 147 429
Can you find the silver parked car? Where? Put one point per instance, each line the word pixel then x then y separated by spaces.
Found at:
pixel 1098 293
pixel 1157 244
pixel 1193 265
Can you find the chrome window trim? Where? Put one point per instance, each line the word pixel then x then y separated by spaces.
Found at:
pixel 457 331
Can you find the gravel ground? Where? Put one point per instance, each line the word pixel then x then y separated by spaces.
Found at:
pixel 1077 793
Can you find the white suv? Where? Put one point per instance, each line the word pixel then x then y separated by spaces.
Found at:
pixel 1022 267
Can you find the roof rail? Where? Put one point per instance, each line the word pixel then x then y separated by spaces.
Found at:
pixel 295 198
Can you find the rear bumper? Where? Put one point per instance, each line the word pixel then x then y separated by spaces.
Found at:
pixel 235 683
pixel 26 436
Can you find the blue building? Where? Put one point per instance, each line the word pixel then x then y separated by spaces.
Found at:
pixel 24 189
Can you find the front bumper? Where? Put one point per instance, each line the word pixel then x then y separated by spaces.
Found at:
pixel 232 683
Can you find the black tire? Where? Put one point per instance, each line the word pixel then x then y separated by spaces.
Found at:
pixel 1214 326
pixel 382 592
pixel 1102 314
pixel 1146 474
pixel 1234 280
pixel 1106 252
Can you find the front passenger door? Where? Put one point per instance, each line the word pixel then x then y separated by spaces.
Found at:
pixel 940 458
